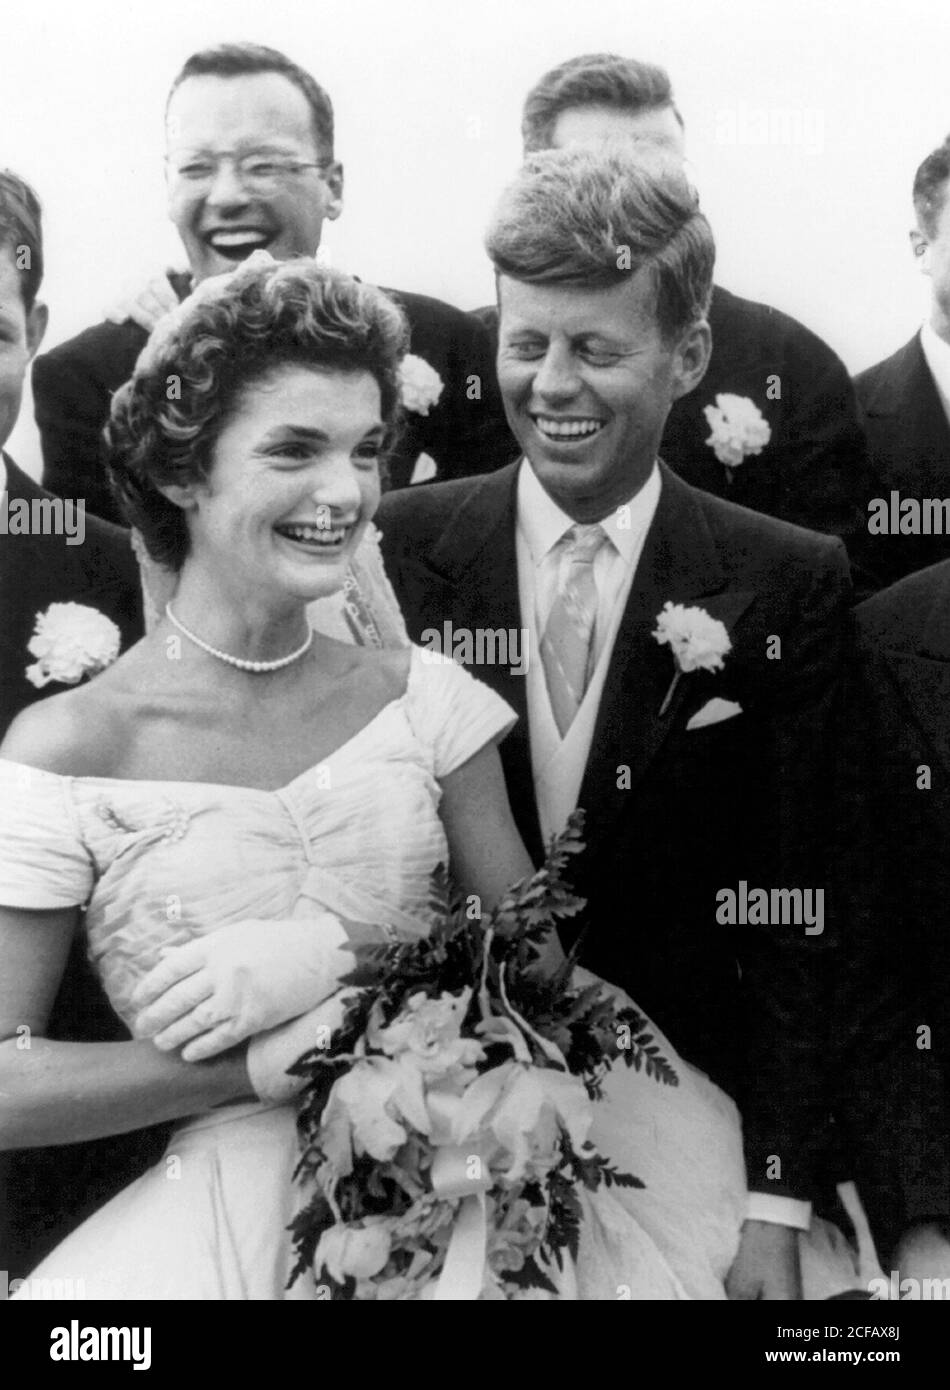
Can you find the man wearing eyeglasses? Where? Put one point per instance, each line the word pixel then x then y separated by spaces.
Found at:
pixel 250 164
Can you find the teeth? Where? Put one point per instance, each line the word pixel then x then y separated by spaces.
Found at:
pixel 314 533
pixel 567 429
pixel 237 238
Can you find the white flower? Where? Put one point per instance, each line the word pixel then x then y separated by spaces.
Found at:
pixel 427 1034
pixel 421 386
pixel 699 642
pixel 70 641
pixel 738 429
pixel 369 1109
pixel 356 1252
pixel 521 1110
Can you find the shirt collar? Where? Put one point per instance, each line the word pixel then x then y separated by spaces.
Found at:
pixel 542 522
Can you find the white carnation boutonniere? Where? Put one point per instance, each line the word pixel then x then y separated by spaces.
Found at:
pixel 420 384
pixel 739 429
pixel 70 641
pixel 698 641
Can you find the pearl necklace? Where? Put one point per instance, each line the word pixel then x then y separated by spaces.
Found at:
pixel 238 661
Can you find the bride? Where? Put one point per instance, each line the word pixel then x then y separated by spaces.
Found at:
pixel 239 806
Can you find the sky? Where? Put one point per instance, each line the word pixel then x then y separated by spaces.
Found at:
pixel 804 123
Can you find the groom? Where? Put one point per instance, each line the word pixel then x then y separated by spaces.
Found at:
pixel 699 789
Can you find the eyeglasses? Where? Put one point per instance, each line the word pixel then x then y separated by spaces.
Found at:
pixel 257 172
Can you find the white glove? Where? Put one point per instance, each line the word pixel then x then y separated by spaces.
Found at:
pixel 270 1054
pixel 145 304
pixel 239 980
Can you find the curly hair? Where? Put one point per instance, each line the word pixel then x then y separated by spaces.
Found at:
pixel 233 331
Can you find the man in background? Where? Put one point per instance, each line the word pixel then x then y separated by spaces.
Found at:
pixel 44 1193
pixel 905 400
pixel 788 443
pixel 251 165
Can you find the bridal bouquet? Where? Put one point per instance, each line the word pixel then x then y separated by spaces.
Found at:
pixel 444 1128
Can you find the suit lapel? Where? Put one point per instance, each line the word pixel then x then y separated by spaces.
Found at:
pixel 471 577
pixel 679 564
pixel 909 398
pixel 924 676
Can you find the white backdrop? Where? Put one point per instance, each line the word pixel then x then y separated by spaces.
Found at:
pixel 805 122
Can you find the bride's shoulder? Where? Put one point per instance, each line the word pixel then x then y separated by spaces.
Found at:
pixel 387 666
pixel 72 733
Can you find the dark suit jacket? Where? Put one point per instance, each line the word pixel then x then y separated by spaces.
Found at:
pixel 814 470
pixel 36 571
pixel 73 387
pixel 909 444
pixel 894 876
pixel 740 800
pixel 44 1193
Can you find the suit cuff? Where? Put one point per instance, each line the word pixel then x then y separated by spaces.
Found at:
pixel 780 1211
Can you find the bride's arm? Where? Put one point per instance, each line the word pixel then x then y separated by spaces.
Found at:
pixel 487 852
pixel 63 1092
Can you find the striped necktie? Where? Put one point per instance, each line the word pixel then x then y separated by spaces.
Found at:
pixel 567 646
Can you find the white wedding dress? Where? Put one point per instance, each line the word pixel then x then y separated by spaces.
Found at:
pixel 359 836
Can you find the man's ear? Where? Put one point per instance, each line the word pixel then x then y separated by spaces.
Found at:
pixel 333 178
pixel 36 321
pixel 691 358
pixel 921 249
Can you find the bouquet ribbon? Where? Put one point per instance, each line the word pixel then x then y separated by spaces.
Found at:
pixel 464 1266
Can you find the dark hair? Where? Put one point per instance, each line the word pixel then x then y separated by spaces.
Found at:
pixel 233 331
pixel 245 59
pixel 930 188
pixel 21 226
pixel 583 217
pixel 594 79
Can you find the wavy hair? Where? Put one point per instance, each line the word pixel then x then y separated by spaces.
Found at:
pixel 593 79
pixel 21 225
pixel 595 218
pixel 930 188
pixel 233 331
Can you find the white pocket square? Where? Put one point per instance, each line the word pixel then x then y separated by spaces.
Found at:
pixel 424 469
pixel 714 712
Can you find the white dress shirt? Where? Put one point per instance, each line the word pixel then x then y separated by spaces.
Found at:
pixel 937 356
pixel 558 764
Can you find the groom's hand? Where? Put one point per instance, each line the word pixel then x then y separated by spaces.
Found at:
pixel 767 1264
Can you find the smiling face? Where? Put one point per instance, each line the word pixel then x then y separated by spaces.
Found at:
pixel 20 335
pixel 294 481
pixel 588 380
pixel 219 219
